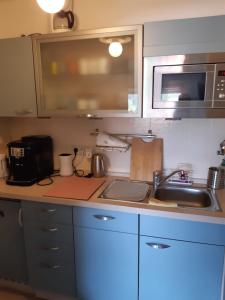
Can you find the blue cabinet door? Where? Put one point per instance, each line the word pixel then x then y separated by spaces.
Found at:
pixel 106 264
pixel 177 270
pixel 12 246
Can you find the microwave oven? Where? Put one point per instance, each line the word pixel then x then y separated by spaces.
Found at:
pixel 179 86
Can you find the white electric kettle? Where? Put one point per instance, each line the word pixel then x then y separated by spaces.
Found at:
pixel 66 164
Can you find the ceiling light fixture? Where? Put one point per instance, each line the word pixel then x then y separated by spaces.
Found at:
pixel 115 44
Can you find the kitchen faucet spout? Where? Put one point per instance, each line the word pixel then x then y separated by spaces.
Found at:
pixel 158 179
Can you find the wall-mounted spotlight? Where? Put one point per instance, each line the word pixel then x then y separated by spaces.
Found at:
pixel 63 18
pixel 50 6
pixel 115 44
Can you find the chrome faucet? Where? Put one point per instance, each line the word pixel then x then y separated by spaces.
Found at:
pixel 158 179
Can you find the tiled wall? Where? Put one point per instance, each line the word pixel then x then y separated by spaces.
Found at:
pixel 195 141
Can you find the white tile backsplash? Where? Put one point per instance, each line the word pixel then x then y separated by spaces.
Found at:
pixel 194 141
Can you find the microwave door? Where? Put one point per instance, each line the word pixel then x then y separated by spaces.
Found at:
pixel 183 86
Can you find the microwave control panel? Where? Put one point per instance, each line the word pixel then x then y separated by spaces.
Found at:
pixel 219 92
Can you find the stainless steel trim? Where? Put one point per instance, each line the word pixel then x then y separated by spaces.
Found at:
pixel 104 218
pixel 51 210
pixel 53 229
pixel 50 266
pixel 52 248
pixel 158 246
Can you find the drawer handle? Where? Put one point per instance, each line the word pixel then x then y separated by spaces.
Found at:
pixel 53 229
pixel 104 218
pixel 49 211
pixel 2 214
pixel 157 245
pixel 52 248
pixel 49 266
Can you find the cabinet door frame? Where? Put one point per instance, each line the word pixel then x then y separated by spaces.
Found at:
pixel 136 30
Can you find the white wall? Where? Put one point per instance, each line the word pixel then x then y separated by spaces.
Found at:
pixel 194 141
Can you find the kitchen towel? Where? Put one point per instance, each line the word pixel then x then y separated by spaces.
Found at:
pixel 75 188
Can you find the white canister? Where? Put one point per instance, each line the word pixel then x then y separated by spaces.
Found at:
pixel 66 166
pixel 3 166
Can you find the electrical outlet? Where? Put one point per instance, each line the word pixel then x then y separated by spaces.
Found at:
pixel 88 152
pixel 83 159
pixel 80 152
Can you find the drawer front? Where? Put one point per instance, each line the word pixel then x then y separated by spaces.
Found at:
pixel 182 230
pixel 48 232
pixel 53 277
pixel 50 251
pixel 45 212
pixel 106 220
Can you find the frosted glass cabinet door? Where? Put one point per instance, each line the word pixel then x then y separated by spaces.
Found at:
pixel 17 85
pixel 77 75
pixel 178 270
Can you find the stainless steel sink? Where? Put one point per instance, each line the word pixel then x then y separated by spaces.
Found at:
pixel 191 197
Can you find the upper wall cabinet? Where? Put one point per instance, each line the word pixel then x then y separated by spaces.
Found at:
pixel 17 85
pixel 94 73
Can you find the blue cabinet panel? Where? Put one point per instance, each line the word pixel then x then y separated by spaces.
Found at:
pixel 182 230
pixel 179 270
pixel 106 220
pixel 106 265
pixel 12 246
pixel 196 35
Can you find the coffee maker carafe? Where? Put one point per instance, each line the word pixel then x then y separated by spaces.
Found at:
pixel 30 160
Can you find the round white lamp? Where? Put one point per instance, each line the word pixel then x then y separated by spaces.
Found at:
pixel 51 6
pixel 115 49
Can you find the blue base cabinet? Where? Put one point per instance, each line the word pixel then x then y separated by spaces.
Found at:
pixel 106 260
pixel 180 260
pixel 12 247
pixel 178 270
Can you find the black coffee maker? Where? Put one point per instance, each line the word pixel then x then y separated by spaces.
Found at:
pixel 30 159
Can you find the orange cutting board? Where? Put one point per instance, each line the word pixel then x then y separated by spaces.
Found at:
pixel 75 188
pixel 146 157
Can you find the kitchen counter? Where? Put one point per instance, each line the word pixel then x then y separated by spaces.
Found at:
pixel 35 193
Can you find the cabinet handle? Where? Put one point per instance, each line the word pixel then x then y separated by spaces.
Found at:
pixel 49 266
pixel 23 112
pixel 2 214
pixel 51 248
pixel 104 218
pixel 158 246
pixel 20 218
pixel 52 229
pixel 49 211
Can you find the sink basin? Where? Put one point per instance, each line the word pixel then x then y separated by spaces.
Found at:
pixel 126 190
pixel 194 197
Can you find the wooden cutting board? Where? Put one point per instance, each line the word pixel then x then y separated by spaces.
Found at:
pixel 75 188
pixel 146 157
